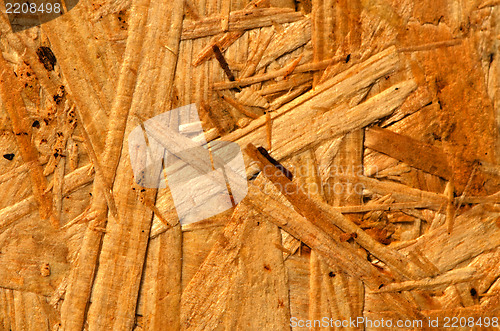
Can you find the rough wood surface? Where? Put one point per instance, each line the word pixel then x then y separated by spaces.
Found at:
pixel 369 132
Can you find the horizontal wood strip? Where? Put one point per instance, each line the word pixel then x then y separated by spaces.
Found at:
pixel 415 153
pixel 239 20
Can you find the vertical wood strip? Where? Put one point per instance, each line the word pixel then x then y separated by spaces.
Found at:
pixel 336 23
pixel 78 294
pixel 124 244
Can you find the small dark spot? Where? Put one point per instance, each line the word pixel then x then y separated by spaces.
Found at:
pixel 56 154
pixel 331 274
pixel 25 84
pixel 143 190
pixel 381 285
pixel 258 223
pixel 90 194
pixel 57 98
pixel 9 157
pixel 347 58
pixel 473 292
pixel 46 57
pixel 436 136
pixel 46 121
pixel 36 124
pixel 267 267
pixel 28 74
pixel 397 88
pixel 254 176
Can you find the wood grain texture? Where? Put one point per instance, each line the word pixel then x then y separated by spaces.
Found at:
pixel 384 114
pixel 408 150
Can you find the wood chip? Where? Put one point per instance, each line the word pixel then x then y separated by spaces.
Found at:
pixel 239 20
pixel 413 152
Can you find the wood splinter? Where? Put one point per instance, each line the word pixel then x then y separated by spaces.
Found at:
pixel 269 130
pixel 275 163
pixel 156 211
pixel 223 63
pixel 239 107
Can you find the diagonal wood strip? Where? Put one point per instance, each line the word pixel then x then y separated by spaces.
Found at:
pixel 293 133
pixel 223 42
pixel 416 101
pixel 415 153
pixel 326 217
pixel 329 95
pixel 295 35
pixel 335 254
pixel 10 93
pixel 299 227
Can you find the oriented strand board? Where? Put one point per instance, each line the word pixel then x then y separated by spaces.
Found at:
pixel 369 132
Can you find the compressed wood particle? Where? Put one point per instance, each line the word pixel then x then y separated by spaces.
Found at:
pixel 343 156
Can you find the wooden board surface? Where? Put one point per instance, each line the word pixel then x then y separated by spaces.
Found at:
pixel 378 119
